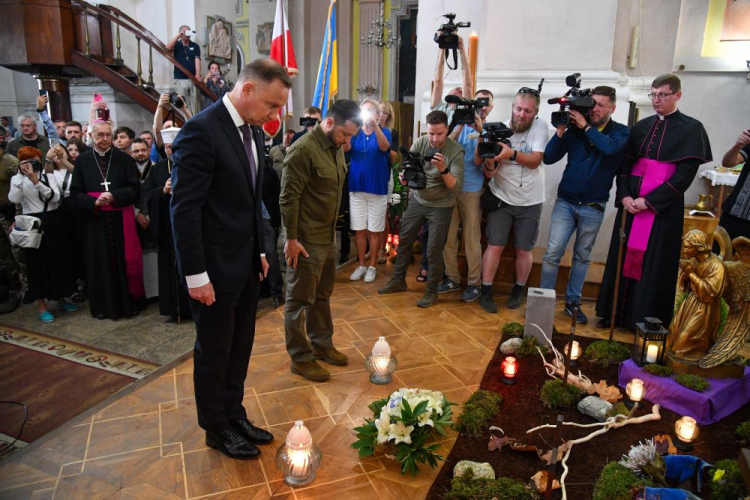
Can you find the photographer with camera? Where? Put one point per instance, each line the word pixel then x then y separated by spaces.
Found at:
pixel 368 187
pixel 468 210
pixel 434 169
pixel 188 54
pixel 595 147
pixel 436 97
pixel 311 116
pixel 735 211
pixel 215 82
pixel 165 100
pixel 39 196
pixel 515 196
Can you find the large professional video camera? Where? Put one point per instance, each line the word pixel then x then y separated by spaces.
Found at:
pixel 448 39
pixel 492 135
pixel 576 99
pixel 466 108
pixel 412 165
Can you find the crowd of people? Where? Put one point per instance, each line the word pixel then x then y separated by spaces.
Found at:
pixel 192 217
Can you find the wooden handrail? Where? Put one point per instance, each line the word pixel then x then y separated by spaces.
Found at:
pixel 139 32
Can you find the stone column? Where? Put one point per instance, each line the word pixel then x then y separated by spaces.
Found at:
pixel 59 96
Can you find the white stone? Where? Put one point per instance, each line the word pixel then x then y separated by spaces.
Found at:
pixel 595 407
pixel 510 346
pixel 479 469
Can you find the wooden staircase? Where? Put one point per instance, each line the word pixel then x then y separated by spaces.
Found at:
pixel 83 40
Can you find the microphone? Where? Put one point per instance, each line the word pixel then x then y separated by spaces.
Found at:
pixel 453 99
pixel 557 100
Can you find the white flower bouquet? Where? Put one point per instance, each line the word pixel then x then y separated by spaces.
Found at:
pixel 407 418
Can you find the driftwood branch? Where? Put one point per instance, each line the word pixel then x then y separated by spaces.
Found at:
pixel 556 369
pixel 610 423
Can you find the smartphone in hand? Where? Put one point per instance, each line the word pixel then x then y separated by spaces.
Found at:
pixel 102 114
pixel 43 92
pixel 97 97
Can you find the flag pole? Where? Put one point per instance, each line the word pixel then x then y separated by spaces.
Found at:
pixel 286 67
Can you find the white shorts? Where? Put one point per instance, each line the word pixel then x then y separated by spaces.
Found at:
pixel 367 211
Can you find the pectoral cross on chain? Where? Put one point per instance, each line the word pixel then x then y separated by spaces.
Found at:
pixel 106 184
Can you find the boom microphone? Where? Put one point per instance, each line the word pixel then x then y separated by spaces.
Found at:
pixel 453 99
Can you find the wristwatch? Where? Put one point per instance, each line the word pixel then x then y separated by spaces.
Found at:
pixel 446 171
pixel 515 153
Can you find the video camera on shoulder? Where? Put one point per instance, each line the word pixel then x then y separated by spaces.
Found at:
pixel 308 121
pixel 576 99
pixel 493 134
pixel 466 109
pixel 412 165
pixel 448 38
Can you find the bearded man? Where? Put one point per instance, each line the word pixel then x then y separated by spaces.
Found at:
pixel 517 184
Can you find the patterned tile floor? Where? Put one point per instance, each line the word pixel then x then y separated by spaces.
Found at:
pixel 148 444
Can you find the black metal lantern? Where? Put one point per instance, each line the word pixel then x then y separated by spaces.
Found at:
pixel 650 342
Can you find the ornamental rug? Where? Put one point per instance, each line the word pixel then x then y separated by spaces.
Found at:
pixel 56 380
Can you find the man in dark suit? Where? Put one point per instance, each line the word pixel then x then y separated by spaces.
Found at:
pixel 217 221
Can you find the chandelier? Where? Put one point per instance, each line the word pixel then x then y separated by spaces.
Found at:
pixel 378 36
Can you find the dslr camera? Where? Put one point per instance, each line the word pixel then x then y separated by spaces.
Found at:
pixel 36 165
pixel 412 165
pixel 448 38
pixel 466 109
pixel 493 134
pixel 308 121
pixel 175 100
pixel 576 99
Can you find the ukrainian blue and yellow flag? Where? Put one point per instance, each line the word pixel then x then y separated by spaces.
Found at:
pixel 327 84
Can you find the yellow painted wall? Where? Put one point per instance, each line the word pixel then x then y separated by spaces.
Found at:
pixel 712 44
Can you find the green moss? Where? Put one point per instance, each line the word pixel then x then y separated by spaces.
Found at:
pixel 603 352
pixel 502 488
pixel 694 382
pixel 479 410
pixel 528 348
pixel 658 370
pixel 618 409
pixel 743 433
pixel 555 395
pixel 730 486
pixel 617 483
pixel 513 329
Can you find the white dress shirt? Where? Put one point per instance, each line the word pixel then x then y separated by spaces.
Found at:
pixel 23 191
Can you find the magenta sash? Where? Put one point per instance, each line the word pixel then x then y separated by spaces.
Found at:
pixel 654 174
pixel 133 254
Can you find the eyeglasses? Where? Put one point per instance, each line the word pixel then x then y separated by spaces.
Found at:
pixel 102 135
pixel 660 95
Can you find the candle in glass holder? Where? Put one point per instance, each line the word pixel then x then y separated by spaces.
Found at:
pixel 381 363
pixel 686 429
pixel 635 390
pixel 510 368
pixel 652 353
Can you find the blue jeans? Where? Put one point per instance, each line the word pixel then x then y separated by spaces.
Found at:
pixel 567 218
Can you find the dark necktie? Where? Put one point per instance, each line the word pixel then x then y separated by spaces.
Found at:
pixel 247 140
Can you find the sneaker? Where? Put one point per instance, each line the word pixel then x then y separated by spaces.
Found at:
pixel 67 306
pixel 516 297
pixel 580 316
pixel 393 285
pixel 310 370
pixel 488 303
pixel 370 274
pixel 331 356
pixel 358 273
pixel 46 317
pixel 448 285
pixel 427 299
pixel 471 293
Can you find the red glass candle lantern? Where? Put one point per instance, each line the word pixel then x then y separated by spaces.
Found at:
pixel 510 368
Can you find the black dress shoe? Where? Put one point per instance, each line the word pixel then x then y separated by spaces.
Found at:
pixel 278 302
pixel 603 323
pixel 231 444
pixel 251 433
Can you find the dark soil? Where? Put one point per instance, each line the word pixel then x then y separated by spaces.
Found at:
pixel 522 410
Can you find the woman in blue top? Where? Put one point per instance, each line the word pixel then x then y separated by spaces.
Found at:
pixel 368 187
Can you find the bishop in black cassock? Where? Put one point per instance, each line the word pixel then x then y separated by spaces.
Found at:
pixel 661 160
pixel 104 186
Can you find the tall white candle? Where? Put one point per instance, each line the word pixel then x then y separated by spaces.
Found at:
pixel 652 353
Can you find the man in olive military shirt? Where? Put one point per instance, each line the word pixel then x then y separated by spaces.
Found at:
pixel 314 173
pixel 433 204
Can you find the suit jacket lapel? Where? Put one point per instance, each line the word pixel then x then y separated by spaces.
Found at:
pixel 234 138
